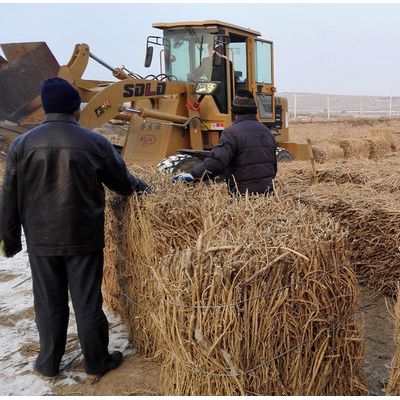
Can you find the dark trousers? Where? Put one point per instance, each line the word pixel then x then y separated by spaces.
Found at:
pixel 51 278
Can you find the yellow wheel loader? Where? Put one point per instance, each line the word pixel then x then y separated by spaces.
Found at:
pixel 176 116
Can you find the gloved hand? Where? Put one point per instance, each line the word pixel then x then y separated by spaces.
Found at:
pixel 143 188
pixel 183 177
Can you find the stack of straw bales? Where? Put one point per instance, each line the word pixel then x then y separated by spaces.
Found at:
pixel 363 196
pixel 382 175
pixel 237 296
pixel 373 221
pixel 375 145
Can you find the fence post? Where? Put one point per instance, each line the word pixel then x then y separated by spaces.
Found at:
pixel 295 107
pixel 327 107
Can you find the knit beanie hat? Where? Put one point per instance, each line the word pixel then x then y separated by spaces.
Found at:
pixel 244 103
pixel 58 96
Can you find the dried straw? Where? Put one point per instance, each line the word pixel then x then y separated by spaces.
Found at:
pixel 324 152
pixel 381 143
pixel 363 196
pixel 393 385
pixel 264 306
pixel 237 296
pixel 355 148
pixel 111 253
pixel 150 227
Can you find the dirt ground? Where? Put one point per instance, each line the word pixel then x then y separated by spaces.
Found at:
pixel 137 375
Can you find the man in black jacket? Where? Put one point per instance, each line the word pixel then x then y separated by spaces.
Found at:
pixel 53 187
pixel 246 152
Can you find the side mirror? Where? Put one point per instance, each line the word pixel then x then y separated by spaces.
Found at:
pixel 158 41
pixel 149 56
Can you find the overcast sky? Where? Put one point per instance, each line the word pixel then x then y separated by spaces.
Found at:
pixel 320 48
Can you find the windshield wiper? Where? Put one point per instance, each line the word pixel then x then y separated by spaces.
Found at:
pixel 193 35
pixel 201 48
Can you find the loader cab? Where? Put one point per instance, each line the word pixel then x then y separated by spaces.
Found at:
pixel 216 51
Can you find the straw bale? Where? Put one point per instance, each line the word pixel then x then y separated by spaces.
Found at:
pixel 324 152
pixel 373 221
pixel 375 145
pixel 381 143
pixel 363 195
pixel 382 175
pixel 264 306
pixel 393 385
pixel 355 148
pixel 297 339
pixel 379 148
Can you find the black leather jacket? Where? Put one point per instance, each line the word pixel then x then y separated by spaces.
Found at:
pixel 246 153
pixel 53 187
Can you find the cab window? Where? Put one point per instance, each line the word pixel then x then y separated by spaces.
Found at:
pixel 263 64
pixel 238 56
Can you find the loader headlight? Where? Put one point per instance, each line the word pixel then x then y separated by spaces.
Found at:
pixel 206 87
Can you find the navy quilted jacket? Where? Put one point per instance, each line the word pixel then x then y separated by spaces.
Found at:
pixel 246 153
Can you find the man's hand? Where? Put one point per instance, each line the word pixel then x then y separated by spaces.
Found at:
pixel 183 177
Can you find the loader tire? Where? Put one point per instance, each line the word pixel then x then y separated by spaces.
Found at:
pixel 178 163
pixel 283 155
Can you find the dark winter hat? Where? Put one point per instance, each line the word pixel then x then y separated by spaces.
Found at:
pixel 244 103
pixel 58 96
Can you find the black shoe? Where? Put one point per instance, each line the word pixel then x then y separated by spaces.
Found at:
pixel 43 375
pixel 113 362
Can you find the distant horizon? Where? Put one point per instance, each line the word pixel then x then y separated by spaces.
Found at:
pixel 343 49
pixel 278 92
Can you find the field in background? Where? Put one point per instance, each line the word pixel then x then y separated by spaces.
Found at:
pixel 335 130
pixel 306 105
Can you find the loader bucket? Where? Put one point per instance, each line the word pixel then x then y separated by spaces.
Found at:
pixel 22 74
pixel 3 62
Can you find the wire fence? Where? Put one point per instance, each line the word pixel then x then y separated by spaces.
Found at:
pixel 306 105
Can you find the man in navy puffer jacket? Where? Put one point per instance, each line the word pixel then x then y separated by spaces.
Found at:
pixel 246 152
